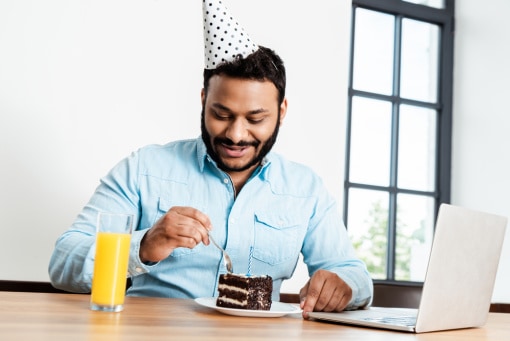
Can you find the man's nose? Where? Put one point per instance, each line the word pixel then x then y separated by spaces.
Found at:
pixel 236 131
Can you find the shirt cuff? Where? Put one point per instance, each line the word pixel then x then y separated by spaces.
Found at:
pixel 136 267
pixel 361 296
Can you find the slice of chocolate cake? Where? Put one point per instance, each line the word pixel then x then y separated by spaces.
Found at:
pixel 245 292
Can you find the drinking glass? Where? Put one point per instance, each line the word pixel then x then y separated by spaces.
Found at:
pixel 113 239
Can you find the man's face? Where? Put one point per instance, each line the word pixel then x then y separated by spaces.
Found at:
pixel 240 121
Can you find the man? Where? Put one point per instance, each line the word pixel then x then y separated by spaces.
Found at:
pixel 262 208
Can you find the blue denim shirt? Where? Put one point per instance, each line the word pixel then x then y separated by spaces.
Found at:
pixel 282 210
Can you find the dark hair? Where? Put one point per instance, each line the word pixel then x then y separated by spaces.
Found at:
pixel 263 64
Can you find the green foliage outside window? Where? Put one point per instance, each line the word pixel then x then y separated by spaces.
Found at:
pixel 372 246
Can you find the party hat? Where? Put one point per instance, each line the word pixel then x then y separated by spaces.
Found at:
pixel 224 38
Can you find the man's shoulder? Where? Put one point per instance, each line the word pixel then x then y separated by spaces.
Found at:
pixel 285 166
pixel 176 148
pixel 172 145
pixel 286 174
pixel 179 152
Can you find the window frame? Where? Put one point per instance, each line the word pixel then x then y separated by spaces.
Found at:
pixel 444 18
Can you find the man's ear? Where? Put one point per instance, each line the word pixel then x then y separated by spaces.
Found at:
pixel 202 97
pixel 283 110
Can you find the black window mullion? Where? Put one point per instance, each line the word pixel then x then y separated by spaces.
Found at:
pixel 392 215
pixel 349 120
pixel 409 10
pixel 445 114
pixel 392 98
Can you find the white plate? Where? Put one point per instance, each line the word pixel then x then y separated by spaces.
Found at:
pixel 277 309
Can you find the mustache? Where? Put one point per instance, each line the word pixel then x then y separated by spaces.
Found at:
pixel 229 142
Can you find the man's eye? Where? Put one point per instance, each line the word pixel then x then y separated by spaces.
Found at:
pixel 255 120
pixel 221 117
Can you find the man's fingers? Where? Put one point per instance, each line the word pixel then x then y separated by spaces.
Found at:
pixel 194 214
pixel 337 302
pixel 198 223
pixel 325 291
pixel 180 227
pixel 302 294
pixel 343 303
pixel 311 298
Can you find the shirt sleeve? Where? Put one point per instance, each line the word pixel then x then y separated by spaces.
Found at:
pixel 327 246
pixel 72 262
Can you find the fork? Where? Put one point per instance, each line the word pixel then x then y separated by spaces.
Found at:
pixel 226 257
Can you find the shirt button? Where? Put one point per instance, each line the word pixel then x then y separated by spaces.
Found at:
pixel 225 181
pixel 138 269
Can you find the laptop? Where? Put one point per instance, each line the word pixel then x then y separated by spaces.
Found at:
pixel 458 286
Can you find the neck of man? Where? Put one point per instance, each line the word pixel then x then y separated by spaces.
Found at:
pixel 239 179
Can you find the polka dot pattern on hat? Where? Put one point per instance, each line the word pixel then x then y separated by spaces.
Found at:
pixel 224 38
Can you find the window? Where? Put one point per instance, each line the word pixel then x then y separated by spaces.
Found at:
pixel 398 132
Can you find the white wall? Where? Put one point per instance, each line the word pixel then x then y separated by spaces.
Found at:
pixel 481 139
pixel 83 83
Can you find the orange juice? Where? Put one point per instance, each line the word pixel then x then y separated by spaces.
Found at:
pixel 110 268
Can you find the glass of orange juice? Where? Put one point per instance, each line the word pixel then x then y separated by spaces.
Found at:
pixel 113 239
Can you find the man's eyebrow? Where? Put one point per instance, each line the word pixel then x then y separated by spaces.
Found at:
pixel 221 107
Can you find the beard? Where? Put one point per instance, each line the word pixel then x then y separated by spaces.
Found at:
pixel 265 147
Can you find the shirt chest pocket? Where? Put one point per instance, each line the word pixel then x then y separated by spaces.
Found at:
pixel 278 237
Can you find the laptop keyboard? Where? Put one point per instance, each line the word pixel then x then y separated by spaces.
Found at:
pixel 408 321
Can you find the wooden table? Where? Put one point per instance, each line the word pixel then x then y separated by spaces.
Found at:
pixel 44 316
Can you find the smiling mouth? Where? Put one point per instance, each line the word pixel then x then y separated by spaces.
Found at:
pixel 232 150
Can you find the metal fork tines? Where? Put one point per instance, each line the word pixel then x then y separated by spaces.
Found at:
pixel 226 257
